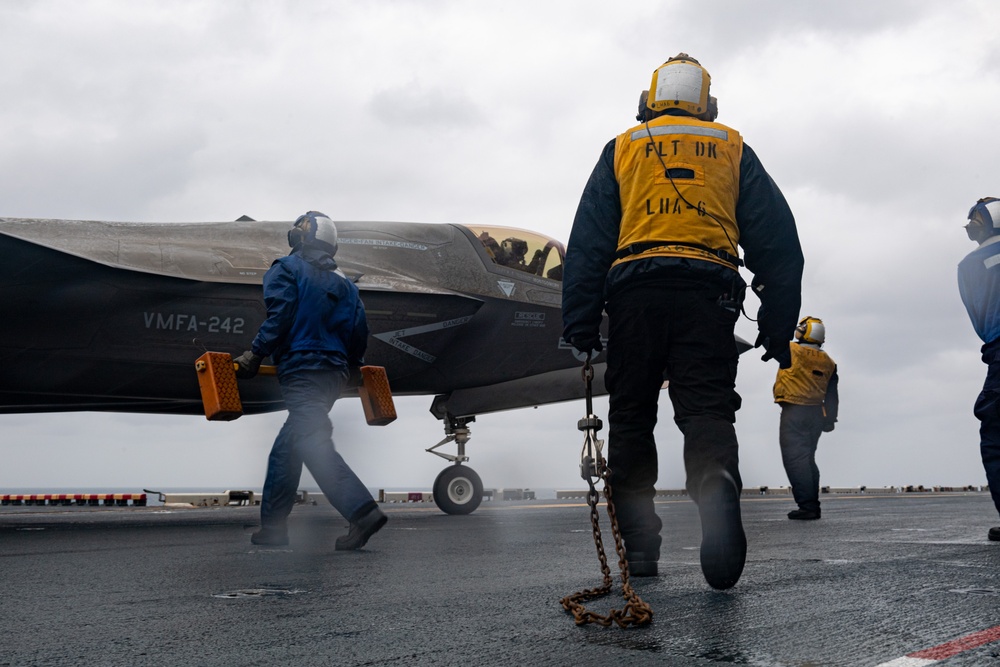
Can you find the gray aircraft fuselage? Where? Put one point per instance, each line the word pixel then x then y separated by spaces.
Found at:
pixel 109 316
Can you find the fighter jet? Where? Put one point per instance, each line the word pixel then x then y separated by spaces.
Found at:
pixel 111 316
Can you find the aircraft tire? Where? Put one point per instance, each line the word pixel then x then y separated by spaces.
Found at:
pixel 458 490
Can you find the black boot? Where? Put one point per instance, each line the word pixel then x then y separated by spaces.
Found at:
pixel 642 564
pixel 271 536
pixel 361 530
pixel 804 515
pixel 723 542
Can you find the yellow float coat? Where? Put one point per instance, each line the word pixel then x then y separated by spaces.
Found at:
pixel 652 210
pixel 805 382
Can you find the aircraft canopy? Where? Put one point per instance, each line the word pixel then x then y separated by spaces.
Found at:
pixel 522 250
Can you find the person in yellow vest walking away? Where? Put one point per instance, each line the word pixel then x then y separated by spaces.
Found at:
pixel 807 394
pixel 655 244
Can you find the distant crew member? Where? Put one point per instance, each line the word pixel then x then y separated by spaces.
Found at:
pixel 315 331
pixel 807 394
pixel 654 243
pixel 979 285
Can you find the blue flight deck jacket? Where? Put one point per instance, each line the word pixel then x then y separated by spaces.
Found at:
pixel 315 317
pixel 979 285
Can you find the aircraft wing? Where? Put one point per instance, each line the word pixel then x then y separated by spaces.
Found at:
pixel 232 252
pixel 553 387
pixel 566 384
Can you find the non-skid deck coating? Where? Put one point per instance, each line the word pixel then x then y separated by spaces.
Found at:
pixel 904 580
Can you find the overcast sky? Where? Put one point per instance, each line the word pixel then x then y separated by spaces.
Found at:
pixel 877 120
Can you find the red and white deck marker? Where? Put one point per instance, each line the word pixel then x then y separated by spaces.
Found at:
pixel 929 656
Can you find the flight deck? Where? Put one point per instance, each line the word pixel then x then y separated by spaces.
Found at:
pixel 901 580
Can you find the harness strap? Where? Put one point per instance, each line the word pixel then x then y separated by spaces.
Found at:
pixel 639 248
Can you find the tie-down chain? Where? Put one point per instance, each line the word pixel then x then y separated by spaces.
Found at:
pixel 593 466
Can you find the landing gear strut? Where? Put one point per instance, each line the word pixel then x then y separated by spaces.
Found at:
pixel 457 489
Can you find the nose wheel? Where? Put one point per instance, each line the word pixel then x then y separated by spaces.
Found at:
pixel 458 490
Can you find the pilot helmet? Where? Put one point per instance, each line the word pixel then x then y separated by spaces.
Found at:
pixel 515 248
pixel 811 330
pixel 682 83
pixel 314 228
pixel 984 219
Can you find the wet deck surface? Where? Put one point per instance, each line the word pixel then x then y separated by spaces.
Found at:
pixel 876 579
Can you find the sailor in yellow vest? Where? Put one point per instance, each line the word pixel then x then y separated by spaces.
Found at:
pixel 655 243
pixel 807 394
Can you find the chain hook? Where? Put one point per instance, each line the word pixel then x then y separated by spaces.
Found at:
pixel 592 463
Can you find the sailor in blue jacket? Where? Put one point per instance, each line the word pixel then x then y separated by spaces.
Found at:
pixel 315 332
pixel 979 285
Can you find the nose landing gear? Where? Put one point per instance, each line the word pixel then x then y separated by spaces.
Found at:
pixel 457 489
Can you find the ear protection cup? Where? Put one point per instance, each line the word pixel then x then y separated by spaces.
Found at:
pixel 643 116
pixel 296 236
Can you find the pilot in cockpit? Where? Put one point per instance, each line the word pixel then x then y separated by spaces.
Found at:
pixel 512 252
pixel 491 245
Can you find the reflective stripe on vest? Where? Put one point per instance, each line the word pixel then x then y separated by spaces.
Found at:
pixel 656 222
pixel 805 382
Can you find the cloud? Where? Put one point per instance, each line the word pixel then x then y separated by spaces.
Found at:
pixel 875 120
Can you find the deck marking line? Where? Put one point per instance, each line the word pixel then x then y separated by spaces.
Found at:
pixel 929 656
pixel 960 645
pixel 907 661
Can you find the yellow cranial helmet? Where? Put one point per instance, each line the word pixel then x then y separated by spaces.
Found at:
pixel 681 83
pixel 811 330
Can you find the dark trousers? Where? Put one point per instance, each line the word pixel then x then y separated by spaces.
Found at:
pixel 307 438
pixel 987 410
pixel 798 436
pixel 677 332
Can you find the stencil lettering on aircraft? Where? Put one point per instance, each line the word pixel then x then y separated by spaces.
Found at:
pixel 533 320
pixel 382 243
pixel 393 337
pixel 189 322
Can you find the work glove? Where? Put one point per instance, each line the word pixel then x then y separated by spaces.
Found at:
pixel 247 364
pixel 828 426
pixel 778 351
pixel 587 343
pixel 354 378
